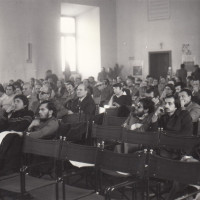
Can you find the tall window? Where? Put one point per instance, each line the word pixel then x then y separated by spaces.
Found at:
pixel 68 42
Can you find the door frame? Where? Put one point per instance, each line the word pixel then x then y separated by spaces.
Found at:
pixel 156 52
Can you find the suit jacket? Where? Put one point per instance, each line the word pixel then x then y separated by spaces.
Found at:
pixel 180 123
pixel 87 106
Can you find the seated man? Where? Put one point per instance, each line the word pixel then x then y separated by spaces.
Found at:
pixel 196 91
pixel 27 91
pixel 172 118
pixel 140 119
pixel 84 103
pixel 6 102
pixel 120 98
pixel 46 126
pixel 193 108
pixel 45 95
pixel 154 96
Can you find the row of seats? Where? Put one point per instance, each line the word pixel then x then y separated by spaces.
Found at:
pixel 138 167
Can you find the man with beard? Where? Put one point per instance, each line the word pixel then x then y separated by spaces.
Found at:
pixel 140 119
pixel 173 118
pixel 46 126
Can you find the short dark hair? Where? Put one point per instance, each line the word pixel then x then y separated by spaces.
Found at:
pixel 148 104
pixel 106 81
pixel 171 86
pixel 70 83
pixel 179 84
pixel 188 91
pixel 10 85
pixel 182 66
pixel 50 106
pixel 154 90
pixel 176 100
pixel 117 85
pixel 24 99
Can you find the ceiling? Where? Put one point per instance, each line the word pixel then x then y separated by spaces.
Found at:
pixel 74 10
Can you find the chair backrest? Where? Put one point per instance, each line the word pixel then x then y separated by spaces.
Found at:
pixel 178 142
pixel 111 111
pixel 79 153
pixel 168 169
pixel 110 120
pixel 126 163
pixel 110 133
pixel 138 137
pixel 73 131
pixel 49 148
pixel 74 118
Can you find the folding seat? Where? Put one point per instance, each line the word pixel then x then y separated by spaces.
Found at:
pixel 76 131
pixel 111 111
pixel 107 136
pixel 130 167
pixel 145 138
pixel 174 170
pixel 110 120
pixel 21 184
pixel 74 118
pixel 181 144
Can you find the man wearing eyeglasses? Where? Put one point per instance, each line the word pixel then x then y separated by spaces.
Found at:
pixel 45 95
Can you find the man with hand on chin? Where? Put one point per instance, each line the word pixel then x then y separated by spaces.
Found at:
pixel 193 108
pixel 46 126
pixel 173 119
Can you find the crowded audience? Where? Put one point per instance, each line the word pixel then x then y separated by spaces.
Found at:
pixel 35 108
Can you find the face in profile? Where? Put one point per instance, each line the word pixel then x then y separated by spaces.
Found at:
pixel 44 112
pixel 19 104
pixel 139 110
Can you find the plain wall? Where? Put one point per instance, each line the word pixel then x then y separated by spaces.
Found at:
pixel 38 22
pixel 136 36
pixel 23 22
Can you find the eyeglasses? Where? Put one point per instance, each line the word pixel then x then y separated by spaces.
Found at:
pixel 139 106
pixel 41 92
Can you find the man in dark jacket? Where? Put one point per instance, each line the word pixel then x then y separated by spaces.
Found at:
pixel 84 103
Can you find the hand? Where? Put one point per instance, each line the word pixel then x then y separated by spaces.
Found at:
pixel 116 104
pixel 35 122
pixel 135 126
pixel 159 111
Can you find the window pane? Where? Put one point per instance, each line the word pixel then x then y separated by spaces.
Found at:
pixel 67 25
pixel 68 49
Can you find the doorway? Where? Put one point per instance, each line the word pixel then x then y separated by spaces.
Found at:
pixel 159 63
